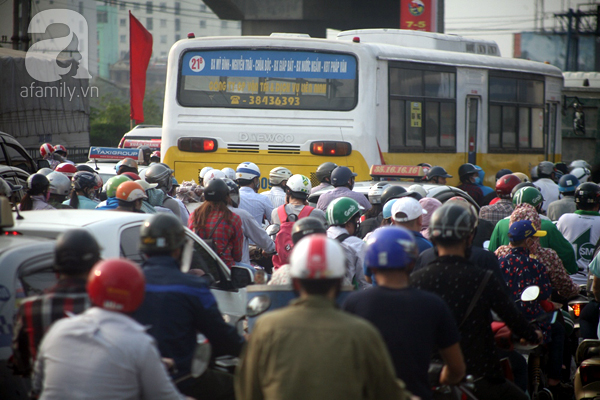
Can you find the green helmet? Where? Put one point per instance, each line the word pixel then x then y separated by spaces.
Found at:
pixel 113 183
pixel 341 210
pixel 529 195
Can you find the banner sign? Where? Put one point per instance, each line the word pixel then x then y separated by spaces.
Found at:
pixel 112 153
pixel 418 15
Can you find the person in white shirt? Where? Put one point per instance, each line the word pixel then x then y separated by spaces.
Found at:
pixel 296 194
pixel 278 178
pixel 248 178
pixel 103 353
pixel 546 184
pixel 343 216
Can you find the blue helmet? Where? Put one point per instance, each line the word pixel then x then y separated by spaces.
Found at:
pixel 387 209
pixel 567 183
pixel 391 247
pixel 341 176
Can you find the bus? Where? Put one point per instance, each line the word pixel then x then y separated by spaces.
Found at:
pixel 375 96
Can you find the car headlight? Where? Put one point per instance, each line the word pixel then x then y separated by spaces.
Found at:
pixel 258 305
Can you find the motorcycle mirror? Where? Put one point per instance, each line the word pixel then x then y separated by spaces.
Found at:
pixel 273 229
pixel 530 293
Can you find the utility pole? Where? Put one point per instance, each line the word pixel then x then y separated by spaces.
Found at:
pixel 574 24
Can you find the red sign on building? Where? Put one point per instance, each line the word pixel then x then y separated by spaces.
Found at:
pixel 418 15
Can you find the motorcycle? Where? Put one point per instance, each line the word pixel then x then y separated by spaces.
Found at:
pixel 587 377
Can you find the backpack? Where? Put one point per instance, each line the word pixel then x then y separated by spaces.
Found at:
pixel 283 240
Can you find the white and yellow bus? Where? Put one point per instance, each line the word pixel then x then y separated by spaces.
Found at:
pixel 368 97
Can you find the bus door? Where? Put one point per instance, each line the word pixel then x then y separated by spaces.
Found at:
pixel 551 132
pixel 472 120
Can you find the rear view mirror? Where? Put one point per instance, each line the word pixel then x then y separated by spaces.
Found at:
pixel 42 164
pixel 241 277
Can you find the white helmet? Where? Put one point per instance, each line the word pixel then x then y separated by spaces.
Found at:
pixel 229 173
pixel 60 184
pixel 579 164
pixel 375 192
pixel 45 171
pixel 213 174
pixel 582 174
pixel 417 189
pixel 317 257
pixel 279 174
pixel 247 170
pixel 203 172
pixel 300 185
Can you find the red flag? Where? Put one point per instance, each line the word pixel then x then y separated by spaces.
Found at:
pixel 140 50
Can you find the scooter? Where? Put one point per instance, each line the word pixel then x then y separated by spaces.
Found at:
pixel 587 377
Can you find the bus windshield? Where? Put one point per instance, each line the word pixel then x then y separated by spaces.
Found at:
pixel 268 79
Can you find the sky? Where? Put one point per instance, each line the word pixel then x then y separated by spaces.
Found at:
pixel 498 19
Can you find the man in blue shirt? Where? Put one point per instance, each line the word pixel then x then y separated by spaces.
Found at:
pixel 408 213
pixel 343 180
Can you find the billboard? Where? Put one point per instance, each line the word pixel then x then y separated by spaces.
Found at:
pixel 419 15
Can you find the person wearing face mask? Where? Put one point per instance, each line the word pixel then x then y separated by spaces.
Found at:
pixel 37 194
pixel 468 175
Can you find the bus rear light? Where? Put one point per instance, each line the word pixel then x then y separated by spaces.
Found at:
pixel 197 145
pixel 337 149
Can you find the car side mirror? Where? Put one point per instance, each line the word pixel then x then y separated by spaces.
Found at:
pixel 241 276
pixel 41 163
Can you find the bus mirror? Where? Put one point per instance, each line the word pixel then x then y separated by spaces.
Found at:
pixel 578 120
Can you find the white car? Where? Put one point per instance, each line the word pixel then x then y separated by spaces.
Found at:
pixel 118 234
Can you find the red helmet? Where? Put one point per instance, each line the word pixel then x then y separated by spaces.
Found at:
pixel 132 175
pixel 116 284
pixel 60 147
pixel 155 154
pixel 505 185
pixel 67 168
pixel 46 150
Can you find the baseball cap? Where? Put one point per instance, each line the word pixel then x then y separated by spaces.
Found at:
pixel 407 209
pixel 521 230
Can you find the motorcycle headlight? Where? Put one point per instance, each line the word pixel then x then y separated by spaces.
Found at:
pixel 258 305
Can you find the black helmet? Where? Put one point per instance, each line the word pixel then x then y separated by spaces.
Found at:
pixel 521 185
pixel 587 193
pixel 437 172
pixel 307 226
pixel 160 174
pixel 216 190
pixel 84 179
pixel 76 251
pixel 161 233
pixel 452 222
pixel 341 176
pixel 465 170
pixel 234 191
pixel 85 167
pixel 502 172
pixel 391 192
pixel 324 171
pixel 37 183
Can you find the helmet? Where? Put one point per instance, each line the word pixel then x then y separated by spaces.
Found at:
pixel 234 191
pixel 522 176
pixel 529 195
pixel 545 168
pixel 46 150
pixel 342 210
pixel 155 154
pixel 341 176
pixel 213 174
pixel 567 183
pixel 534 173
pixel 37 183
pixel 299 185
pixel 85 167
pixel 161 174
pixel 505 185
pixel 391 247
pixel 587 193
pixel 391 192
pixel 113 183
pixel 247 170
pixel 216 190
pixel 60 148
pixel 375 192
pixel 521 185
pixel 117 284
pixel 66 168
pixel 317 257
pixel 387 209
pixel 229 173
pixel 465 170
pixel 561 167
pixel 203 172
pixel 45 171
pixel 452 222
pixel 130 192
pixel 132 175
pixel 161 233
pixel 146 150
pixel 417 189
pixel 437 172
pixel 502 172
pixel 84 179
pixel 324 171
pixel 307 226
pixel 579 164
pixel 582 174
pixel 126 162
pixel 278 175
pixel 59 183
pixel 76 251
pixel 461 201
